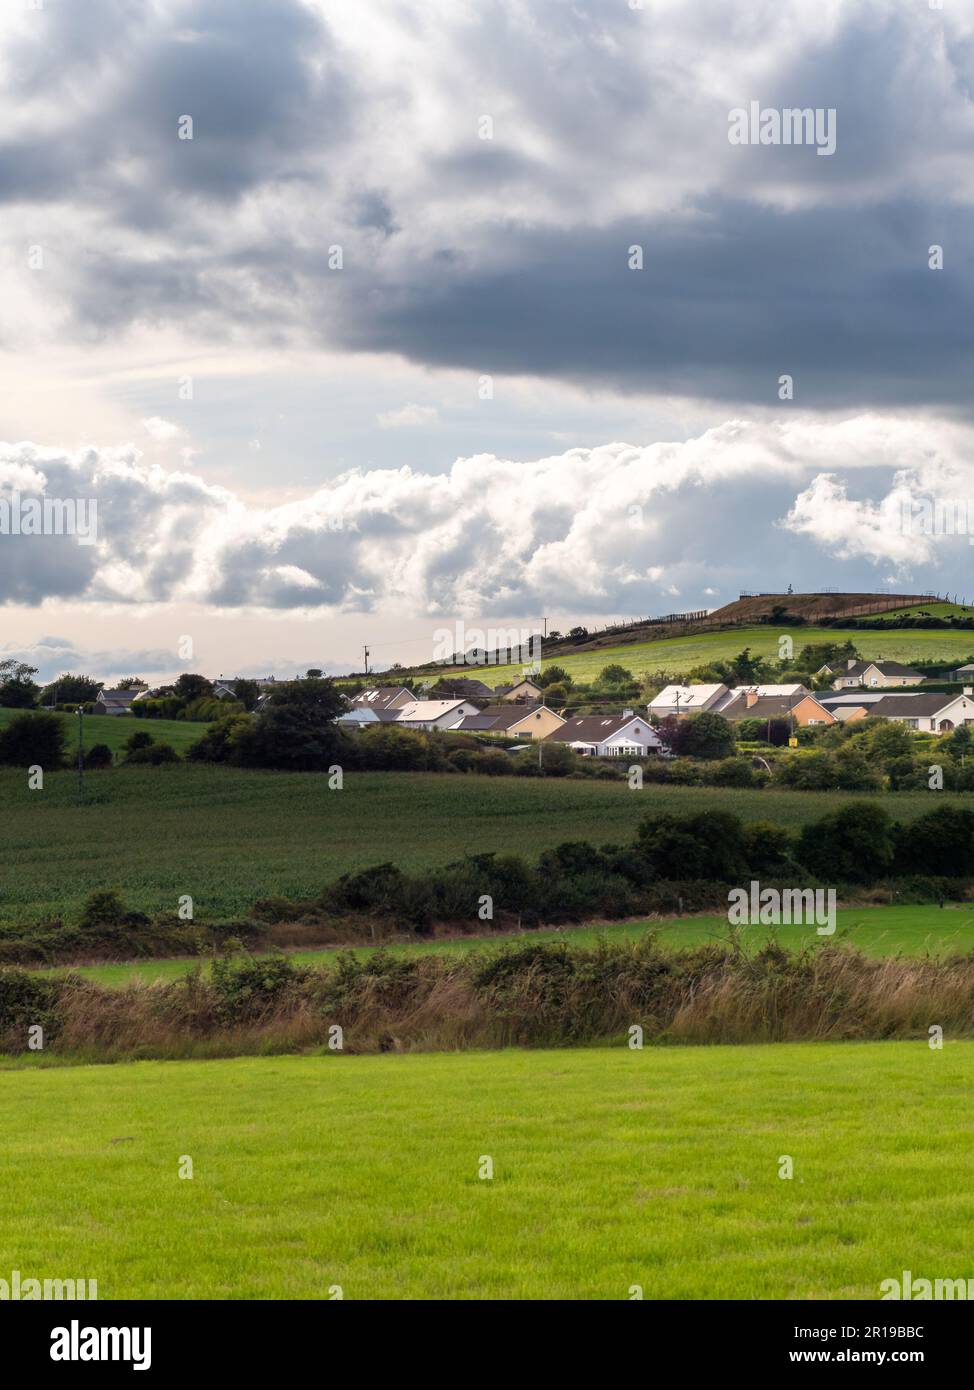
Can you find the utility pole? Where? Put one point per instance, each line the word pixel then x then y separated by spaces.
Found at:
pixel 81 756
pixel 545 621
pixel 366 650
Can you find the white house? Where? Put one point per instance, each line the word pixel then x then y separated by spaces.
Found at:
pixel 686 699
pixel 936 714
pixel 435 714
pixel 626 735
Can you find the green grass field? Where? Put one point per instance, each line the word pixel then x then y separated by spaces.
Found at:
pixel 611 1168
pixel 877 931
pixel 678 654
pixel 113 730
pixel 228 837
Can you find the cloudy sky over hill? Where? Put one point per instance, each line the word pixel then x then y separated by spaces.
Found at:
pixel 369 351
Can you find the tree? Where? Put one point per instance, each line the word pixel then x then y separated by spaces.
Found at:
pixel 711 736
pixel 190 686
pixel 34 738
pixel 706 846
pixel 296 731
pixel 314 673
pixel 70 690
pixel 247 693
pixel 17 688
pixel 941 842
pixel 553 675
pixel 131 683
pixel 854 845
pixel 614 674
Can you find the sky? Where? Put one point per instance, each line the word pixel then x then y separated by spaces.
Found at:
pixel 358 321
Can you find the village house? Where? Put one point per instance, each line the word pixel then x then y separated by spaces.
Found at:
pixel 384 697
pixel 118 701
pixel 686 699
pixel 462 688
pixel 434 714
pixel 963 673
pixel 936 714
pixel 626 735
pixel 799 706
pixel 519 721
pixel 524 689
pixel 871 674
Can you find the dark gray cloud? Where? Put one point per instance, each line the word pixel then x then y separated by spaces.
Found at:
pixel 315 125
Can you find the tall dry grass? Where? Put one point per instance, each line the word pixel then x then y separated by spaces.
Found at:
pixel 530 995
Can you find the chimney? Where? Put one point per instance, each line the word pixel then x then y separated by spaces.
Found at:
pixel 751 698
pixel 969 689
pixel 628 713
pixel 850 663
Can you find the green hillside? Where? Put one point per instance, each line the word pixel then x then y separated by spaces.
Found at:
pixel 679 654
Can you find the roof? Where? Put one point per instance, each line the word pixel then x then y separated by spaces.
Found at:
pixel 596 728
pixel 473 723
pixel 116 697
pixel 862 696
pixel 763 707
pixel 379 696
pixel 912 707
pixel 796 688
pixel 464 686
pixel 888 668
pixel 424 711
pixel 691 696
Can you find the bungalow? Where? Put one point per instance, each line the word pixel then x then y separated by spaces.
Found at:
pixel 626 735
pixel 519 721
pixel 524 689
pixel 434 714
pixel 803 708
pixel 686 699
pixel 384 697
pixel 963 673
pixel 936 714
pixel 463 688
pixel 881 674
pixel 115 701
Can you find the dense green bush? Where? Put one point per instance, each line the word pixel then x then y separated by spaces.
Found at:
pixel 33 739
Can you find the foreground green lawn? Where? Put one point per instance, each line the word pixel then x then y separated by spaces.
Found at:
pixel 611 1168
pixel 878 931
pixel 228 837
pixel 678 654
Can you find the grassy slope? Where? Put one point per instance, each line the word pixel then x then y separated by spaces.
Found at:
pixel 878 931
pixel 611 1168
pixel 228 837
pixel 676 654
pixel 115 729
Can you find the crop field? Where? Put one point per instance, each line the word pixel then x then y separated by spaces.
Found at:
pixel 678 654
pixel 611 1168
pixel 228 837
pixel 113 730
pixel 877 931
